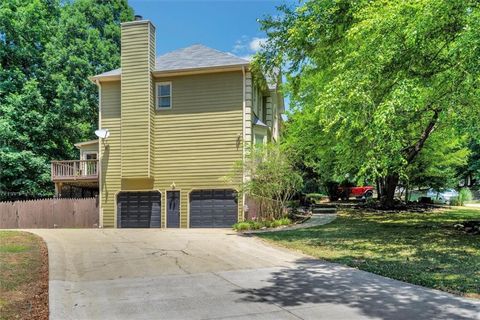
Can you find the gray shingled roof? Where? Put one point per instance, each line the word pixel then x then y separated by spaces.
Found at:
pixel 196 56
pixel 193 57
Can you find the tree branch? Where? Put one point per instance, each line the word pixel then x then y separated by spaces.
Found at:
pixel 413 151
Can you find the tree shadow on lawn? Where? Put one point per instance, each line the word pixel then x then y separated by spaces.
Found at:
pixel 435 257
pixel 311 283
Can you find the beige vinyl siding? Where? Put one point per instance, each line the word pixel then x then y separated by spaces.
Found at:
pixel 198 141
pixel 110 150
pixel 152 98
pixel 136 100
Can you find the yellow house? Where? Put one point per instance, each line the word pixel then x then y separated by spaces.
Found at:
pixel 176 124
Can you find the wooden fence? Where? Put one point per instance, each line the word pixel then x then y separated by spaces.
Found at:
pixel 49 213
pixel 261 208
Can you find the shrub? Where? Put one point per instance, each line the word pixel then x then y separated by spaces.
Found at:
pixel 455 201
pixel 241 226
pixel 255 225
pixel 315 196
pixel 273 179
pixel 332 190
pixel 465 195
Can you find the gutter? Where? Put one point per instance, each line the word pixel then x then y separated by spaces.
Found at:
pixel 243 139
pixel 100 156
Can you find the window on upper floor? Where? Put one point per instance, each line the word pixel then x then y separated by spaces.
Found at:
pixel 164 95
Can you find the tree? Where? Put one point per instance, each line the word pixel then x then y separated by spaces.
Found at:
pixel 380 77
pixel 47 51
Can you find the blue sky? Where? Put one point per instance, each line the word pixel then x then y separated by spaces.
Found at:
pixel 224 25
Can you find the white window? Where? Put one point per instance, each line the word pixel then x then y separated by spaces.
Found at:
pixel 164 95
pixel 259 139
pixel 89 155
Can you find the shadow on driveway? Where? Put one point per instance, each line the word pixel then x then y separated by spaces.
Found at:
pixel 313 283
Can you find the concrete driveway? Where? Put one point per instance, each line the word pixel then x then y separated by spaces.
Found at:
pixel 216 274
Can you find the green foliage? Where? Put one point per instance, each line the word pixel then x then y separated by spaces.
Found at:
pixel 255 225
pixel 455 201
pixel 471 171
pixel 315 197
pixel 372 81
pixel 48 49
pixel 438 164
pixel 271 173
pixel 464 196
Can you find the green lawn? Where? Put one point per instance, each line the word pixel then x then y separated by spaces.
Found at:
pixel 420 248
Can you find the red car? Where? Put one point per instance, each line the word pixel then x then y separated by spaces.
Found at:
pixel 358 192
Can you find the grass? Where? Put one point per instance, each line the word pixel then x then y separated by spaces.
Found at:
pixel 419 248
pixel 21 259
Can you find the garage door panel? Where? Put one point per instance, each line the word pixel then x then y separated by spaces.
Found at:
pixel 139 209
pixel 216 208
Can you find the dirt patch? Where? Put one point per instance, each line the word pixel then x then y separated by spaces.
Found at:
pixel 470 227
pixel 399 207
pixel 23 276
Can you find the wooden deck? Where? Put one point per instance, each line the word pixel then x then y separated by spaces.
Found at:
pixel 75 170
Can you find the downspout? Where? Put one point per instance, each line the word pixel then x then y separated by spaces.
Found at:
pixel 243 139
pixel 100 156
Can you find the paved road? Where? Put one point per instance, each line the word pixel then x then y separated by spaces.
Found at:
pixel 216 274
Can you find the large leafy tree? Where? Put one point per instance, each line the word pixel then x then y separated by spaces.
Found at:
pixel 48 49
pixel 379 78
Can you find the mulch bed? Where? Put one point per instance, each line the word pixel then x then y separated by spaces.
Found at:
pixel 399 207
pixel 470 227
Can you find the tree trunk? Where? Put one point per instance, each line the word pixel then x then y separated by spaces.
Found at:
pixel 389 187
pixel 379 188
pixel 407 192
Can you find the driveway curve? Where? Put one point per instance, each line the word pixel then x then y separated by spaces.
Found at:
pixel 217 274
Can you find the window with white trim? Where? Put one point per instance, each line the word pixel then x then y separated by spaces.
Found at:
pixel 164 95
pixel 259 139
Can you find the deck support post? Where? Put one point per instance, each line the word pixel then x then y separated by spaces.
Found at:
pixel 58 189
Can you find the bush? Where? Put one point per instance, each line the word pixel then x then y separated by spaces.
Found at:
pixel 241 226
pixel 463 196
pixel 332 190
pixel 255 225
pixel 312 186
pixel 454 201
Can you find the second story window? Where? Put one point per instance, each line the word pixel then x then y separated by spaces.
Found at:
pixel 164 95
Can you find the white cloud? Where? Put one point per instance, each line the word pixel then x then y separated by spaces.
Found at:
pixel 240 45
pixel 246 47
pixel 257 43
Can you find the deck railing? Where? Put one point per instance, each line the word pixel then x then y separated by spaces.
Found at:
pixel 75 170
